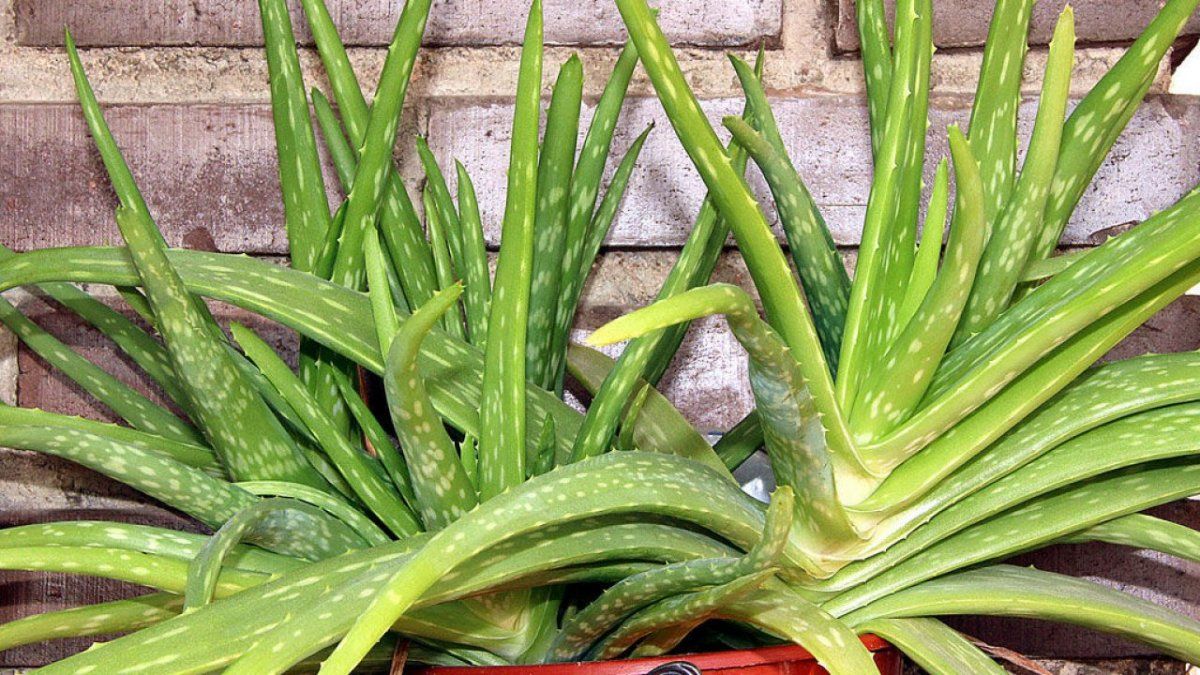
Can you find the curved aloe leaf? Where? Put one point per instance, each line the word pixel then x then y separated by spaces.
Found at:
pixel 1143 531
pixel 934 646
pixel 441 486
pixel 478 295
pixel 925 264
pixel 452 320
pixel 103 618
pixel 334 506
pixel 1003 590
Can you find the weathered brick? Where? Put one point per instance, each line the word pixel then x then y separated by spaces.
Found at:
pixel 209 173
pixel 827 138
pixel 964 23
pixel 707 23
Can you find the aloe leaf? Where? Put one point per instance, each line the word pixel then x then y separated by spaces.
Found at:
pixel 782 611
pixel 345 159
pixel 103 618
pixel 585 190
pixel 478 294
pixel 781 297
pixel 1143 531
pixel 901 377
pixel 205 569
pixel 660 427
pixel 875 44
pixel 1040 270
pixel 452 320
pixel 134 408
pixel 629 425
pixel 922 472
pixel 502 410
pixel 349 460
pixel 1020 219
pixel 338 508
pixel 1057 515
pixel 375 149
pixel 306 210
pixel 994 113
pixel 398 221
pixel 826 284
pixel 225 405
pixel 801 456
pixel 378 438
pixel 443 491
pixel 383 308
pixel 1110 276
pixel 191 454
pixel 873 306
pixel 638 591
pixel 555 168
pixel 147 352
pixel 1101 116
pixel 1003 590
pixel 343 322
pixel 934 646
pixel 740 442
pixel 677 485
pixel 543 458
pixel 925 264
pixel 435 185
pixel 683 608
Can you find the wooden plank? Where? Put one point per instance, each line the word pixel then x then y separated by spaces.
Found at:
pixel 706 23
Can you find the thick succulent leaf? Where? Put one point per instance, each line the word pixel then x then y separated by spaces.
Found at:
pixel 191 454
pixel 502 413
pixel 877 63
pixel 377 437
pixel 398 222
pixel 342 154
pixel 555 167
pixel 901 377
pixel 478 281
pixel 660 427
pixel 801 455
pixel 920 474
pixel 783 612
pixel 207 499
pixel 103 618
pixel 452 319
pixel 1144 531
pixel 684 608
pixel 383 307
pixel 131 406
pixel 925 264
pixel 779 290
pixel 306 212
pixel 343 322
pixel 1110 276
pixel 934 646
pixel 334 506
pixel 874 307
pixel 225 406
pixel 350 461
pixel 440 484
pixel 435 185
pixel 740 442
pixel 1020 220
pixel 1098 120
pixel 1003 590
pixel 993 127
pixel 375 147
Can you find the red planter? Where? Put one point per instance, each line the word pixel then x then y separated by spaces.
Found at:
pixel 787 660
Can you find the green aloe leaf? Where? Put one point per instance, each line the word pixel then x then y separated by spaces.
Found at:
pixel 227 408
pixel 441 486
pixel 555 168
pixel 478 295
pixel 452 319
pixel 435 185
pixel 1144 531
pixel 378 439
pixel 334 506
pixel 740 442
pixel 1003 590
pixel 925 264
pixel 502 412
pixel 1098 120
pixel 934 646
pixel 104 618
pixel 1019 221
pixel 131 406
pixel 875 44
pixel 306 210
pixel 350 461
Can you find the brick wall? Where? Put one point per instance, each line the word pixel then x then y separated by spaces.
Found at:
pixel 184 83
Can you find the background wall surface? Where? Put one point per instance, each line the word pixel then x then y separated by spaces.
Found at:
pixel 184 83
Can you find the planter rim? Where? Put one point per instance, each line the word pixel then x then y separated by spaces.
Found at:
pixel 706 662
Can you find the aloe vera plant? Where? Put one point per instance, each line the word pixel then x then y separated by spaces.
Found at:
pixel 925 418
